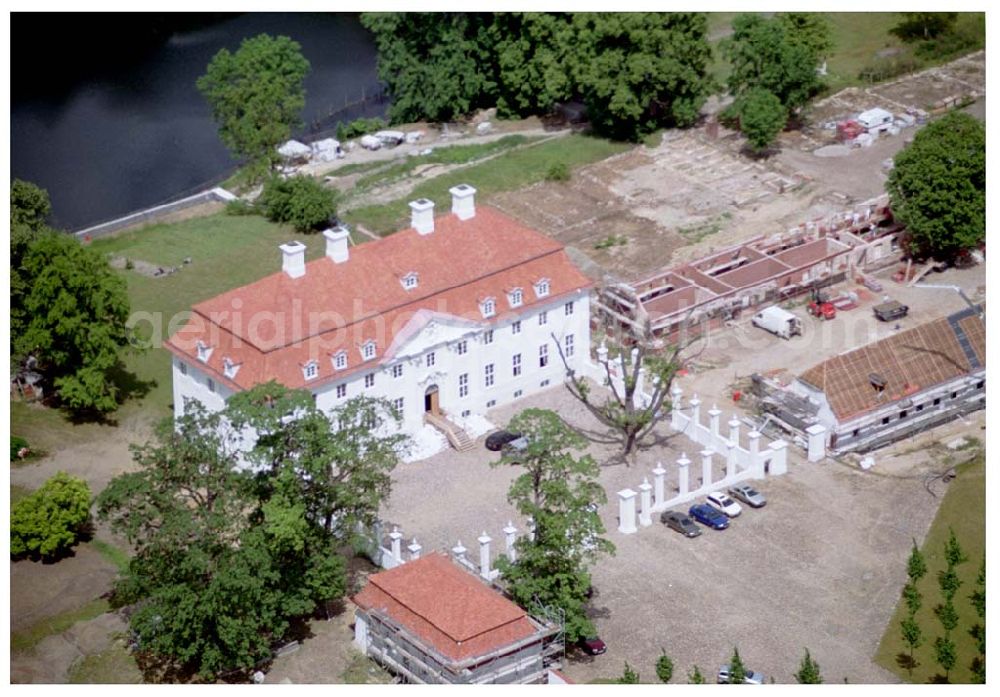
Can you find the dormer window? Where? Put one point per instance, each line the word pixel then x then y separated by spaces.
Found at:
pixel 410 280
pixel 368 350
pixel 515 297
pixel 204 351
pixel 310 370
pixel 488 307
pixel 340 360
pixel 229 368
pixel 542 288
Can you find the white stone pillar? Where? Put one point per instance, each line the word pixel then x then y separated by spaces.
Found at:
pixel 817 442
pixel 397 546
pixel 675 407
pixel 626 511
pixel 756 461
pixel 695 415
pixel 658 478
pixel 414 548
pixel 458 551
pixel 730 460
pixel 779 457
pixel 734 430
pixel 484 556
pixel 645 496
pixel 602 354
pixel 510 534
pixel 531 528
pixel 682 474
pixel 706 467
pixel 713 420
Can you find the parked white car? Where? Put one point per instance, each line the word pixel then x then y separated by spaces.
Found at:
pixel 721 502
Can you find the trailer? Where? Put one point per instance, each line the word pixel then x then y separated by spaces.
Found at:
pixel 778 321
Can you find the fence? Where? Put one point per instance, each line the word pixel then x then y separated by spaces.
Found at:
pixel 153 214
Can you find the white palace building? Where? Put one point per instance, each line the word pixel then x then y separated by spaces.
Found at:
pixel 447 319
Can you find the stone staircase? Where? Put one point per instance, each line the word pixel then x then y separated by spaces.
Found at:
pixel 458 438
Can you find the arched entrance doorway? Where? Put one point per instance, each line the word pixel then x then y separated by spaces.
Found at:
pixel 431 400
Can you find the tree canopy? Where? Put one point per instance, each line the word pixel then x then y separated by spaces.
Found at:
pixel 29 204
pixel 937 187
pixel 69 310
pixel 256 95
pixel 300 201
pixel 775 54
pixel 560 493
pixel 808 673
pixel 635 71
pixel 237 519
pixel 762 117
pixel 47 522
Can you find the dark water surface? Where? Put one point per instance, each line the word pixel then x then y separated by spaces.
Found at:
pixel 128 129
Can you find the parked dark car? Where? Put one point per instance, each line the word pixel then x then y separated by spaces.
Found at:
pixel 593 646
pixel 675 520
pixel 891 310
pixel 495 441
pixel 706 515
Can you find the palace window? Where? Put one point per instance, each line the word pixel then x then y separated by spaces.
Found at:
pixel 516 362
pixel 368 350
pixel 370 380
pixel 310 370
pixel 341 391
pixel 515 297
pixel 340 360
pixel 543 318
pixel 542 288
pixel 463 385
pixel 488 307
pixel 489 374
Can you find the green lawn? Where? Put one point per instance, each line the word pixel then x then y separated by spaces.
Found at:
pixel 964 510
pixel 28 638
pixel 114 665
pixel 857 39
pixel 511 171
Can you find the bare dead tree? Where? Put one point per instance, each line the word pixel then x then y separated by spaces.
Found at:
pixel 632 409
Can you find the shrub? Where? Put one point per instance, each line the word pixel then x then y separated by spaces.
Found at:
pixel 49 521
pixel 17 444
pixel 240 207
pixel 558 172
pixel 359 127
pixel 300 201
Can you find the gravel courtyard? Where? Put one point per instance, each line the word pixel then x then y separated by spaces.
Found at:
pixel 819 567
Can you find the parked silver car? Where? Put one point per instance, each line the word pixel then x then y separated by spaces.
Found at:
pixel 675 520
pixel 748 495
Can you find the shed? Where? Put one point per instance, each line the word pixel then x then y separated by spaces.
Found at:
pixel 326 150
pixel 370 142
pixel 294 151
pixel 875 119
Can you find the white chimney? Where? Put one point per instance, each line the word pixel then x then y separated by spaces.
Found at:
pixel 336 244
pixel 463 201
pixel 293 259
pixel 422 216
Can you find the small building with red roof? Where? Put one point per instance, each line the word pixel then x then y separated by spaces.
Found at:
pixel 432 621
pixel 455 315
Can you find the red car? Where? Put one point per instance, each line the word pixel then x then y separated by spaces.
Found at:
pixel 593 646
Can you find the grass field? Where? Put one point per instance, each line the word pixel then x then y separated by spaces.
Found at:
pixel 963 510
pixel 114 665
pixel 27 638
pixel 511 171
pixel 858 38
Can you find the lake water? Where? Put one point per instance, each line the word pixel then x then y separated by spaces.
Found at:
pixel 138 133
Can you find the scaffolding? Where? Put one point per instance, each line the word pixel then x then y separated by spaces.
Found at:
pixel 525 661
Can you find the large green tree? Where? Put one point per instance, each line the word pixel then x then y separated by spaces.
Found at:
pixel 29 204
pixel 533 54
pixel 641 71
pixel 47 522
pixel 560 493
pixel 256 94
pixel 237 519
pixel 937 187
pixel 437 66
pixel 765 53
pixel 762 116
pixel 69 312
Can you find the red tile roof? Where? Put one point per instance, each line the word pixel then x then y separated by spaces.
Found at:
pixel 271 328
pixel 446 607
pixel 909 362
